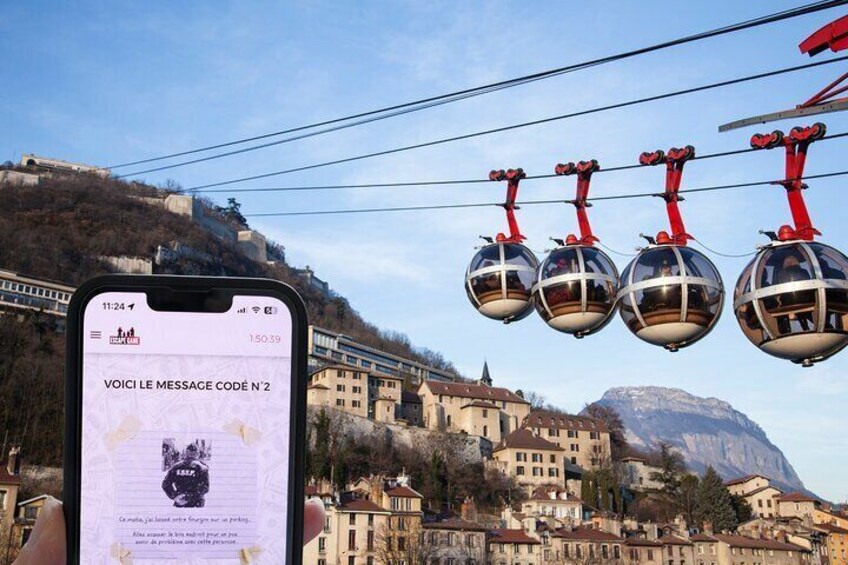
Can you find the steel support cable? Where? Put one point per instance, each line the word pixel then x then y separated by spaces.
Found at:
pixel 526 124
pixel 534 202
pixel 466 181
pixel 425 103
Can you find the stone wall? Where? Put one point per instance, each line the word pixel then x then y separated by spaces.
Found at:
pixel 16 178
pixel 129 265
pixel 253 245
pixel 473 449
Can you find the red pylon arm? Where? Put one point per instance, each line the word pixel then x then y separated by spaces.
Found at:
pixel 583 170
pixel 796 145
pixel 674 161
pixel 513 177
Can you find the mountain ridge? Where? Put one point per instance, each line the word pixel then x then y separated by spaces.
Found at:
pixel 708 431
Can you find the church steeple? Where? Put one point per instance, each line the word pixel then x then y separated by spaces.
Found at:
pixel 486 379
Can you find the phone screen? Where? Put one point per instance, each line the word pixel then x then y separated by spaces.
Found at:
pixel 185 432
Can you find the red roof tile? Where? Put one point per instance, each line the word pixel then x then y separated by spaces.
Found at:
pixel 8 479
pixel 524 439
pixel 479 404
pixel 468 390
pixel 361 505
pixel 404 492
pixel 796 497
pixel 744 479
pixel 831 528
pixel 583 533
pixel 548 419
pixel 455 524
pixel 742 541
pixel 703 537
pixel 513 536
pixel 674 540
pixel 641 542
pixel 761 489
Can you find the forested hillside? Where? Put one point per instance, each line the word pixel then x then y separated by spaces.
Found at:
pixel 59 230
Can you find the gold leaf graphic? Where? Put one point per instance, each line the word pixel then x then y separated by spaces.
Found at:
pixel 247 434
pixel 127 430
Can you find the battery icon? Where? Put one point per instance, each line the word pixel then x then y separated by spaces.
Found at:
pixel 270 309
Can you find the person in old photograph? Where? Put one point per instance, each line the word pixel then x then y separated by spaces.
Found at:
pixel 187 481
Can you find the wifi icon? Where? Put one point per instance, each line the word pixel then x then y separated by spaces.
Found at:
pixel 256 309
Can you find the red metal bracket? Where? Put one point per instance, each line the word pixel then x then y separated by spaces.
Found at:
pixel 513 177
pixel 674 161
pixel 583 170
pixel 796 144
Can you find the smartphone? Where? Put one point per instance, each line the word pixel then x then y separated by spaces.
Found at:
pixel 185 408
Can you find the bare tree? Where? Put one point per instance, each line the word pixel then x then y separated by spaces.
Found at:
pixel 401 539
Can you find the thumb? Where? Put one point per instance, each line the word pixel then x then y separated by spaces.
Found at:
pixel 46 545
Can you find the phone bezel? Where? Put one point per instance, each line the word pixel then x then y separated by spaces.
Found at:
pixel 73 387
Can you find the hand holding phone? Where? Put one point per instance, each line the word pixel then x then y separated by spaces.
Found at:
pixel 185 417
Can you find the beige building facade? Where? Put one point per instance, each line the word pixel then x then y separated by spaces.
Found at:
pixel 509 547
pixel 532 461
pixel 339 387
pixel 10 484
pixel 585 441
pixel 760 494
pixel 476 409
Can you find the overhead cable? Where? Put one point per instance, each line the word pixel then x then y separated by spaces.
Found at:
pixel 525 124
pixel 425 103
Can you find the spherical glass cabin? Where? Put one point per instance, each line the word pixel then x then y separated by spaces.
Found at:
pixel 499 281
pixel 670 296
pixel 575 289
pixel 791 301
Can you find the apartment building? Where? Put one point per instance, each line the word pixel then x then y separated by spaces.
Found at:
pixel 341 387
pixel 796 504
pixel 725 549
pixel 677 550
pixel 411 408
pixel 374 518
pixel 478 409
pixel 643 550
pixel 532 461
pixel 758 491
pixel 455 540
pixel 587 545
pixel 330 348
pixel 555 506
pixel 586 441
pixel 508 546
pixel 636 474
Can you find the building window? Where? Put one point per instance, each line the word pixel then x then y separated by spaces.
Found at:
pixel 519 470
pixel 339 402
pixel 553 458
pixel 352 519
pixel 485 430
pixel 322 544
pixel 351 540
pixel 2 499
pixel 537 457
pixel 355 403
pixel 485 413
pixel 351 560
pixel 519 456
pixel 370 519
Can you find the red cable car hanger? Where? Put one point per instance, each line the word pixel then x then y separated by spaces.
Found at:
pixel 583 170
pixel 513 177
pixel 674 161
pixel 796 144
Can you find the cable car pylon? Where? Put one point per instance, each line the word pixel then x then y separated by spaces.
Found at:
pixel 577 283
pixel 500 277
pixel 671 294
pixel 833 36
pixel 791 300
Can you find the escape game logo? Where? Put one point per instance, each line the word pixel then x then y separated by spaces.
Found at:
pixel 124 337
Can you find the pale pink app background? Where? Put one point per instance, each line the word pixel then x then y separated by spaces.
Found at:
pixel 122 431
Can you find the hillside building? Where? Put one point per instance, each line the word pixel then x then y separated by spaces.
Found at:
pixel 330 348
pixel 506 546
pixel 10 484
pixel 557 508
pixel 758 491
pixel 478 409
pixel 587 545
pixel 636 474
pixel 743 550
pixel 374 518
pixel 455 540
pixel 34 162
pixel 586 441
pixel 532 461
pixel 18 293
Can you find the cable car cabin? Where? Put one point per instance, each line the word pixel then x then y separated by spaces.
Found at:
pixel 575 289
pixel 499 281
pixel 792 301
pixel 671 296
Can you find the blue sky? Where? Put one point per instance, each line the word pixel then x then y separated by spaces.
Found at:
pixel 109 84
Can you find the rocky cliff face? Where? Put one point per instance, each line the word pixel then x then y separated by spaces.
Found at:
pixel 708 431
